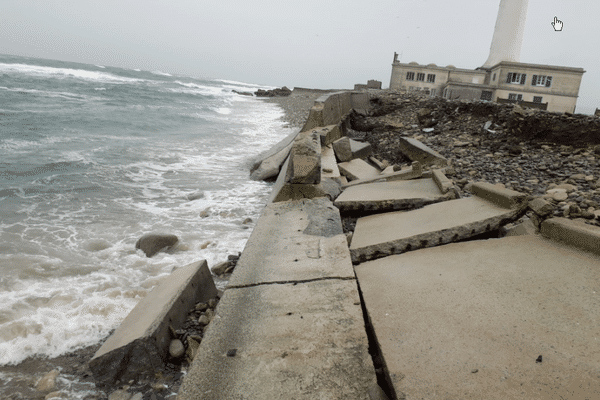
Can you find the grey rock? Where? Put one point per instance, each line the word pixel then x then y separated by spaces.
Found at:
pixel 220 268
pixel 48 382
pixel 152 243
pixel 176 348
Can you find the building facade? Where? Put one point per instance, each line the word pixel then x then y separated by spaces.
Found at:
pixel 502 78
pixel 547 87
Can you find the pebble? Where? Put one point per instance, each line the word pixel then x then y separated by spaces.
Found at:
pixel 176 348
pixel 120 395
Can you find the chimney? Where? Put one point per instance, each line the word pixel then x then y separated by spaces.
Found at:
pixel 508 33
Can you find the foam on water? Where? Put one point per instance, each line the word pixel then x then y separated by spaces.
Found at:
pixel 65 72
pixel 75 198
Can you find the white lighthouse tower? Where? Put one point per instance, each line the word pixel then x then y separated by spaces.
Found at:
pixel 508 33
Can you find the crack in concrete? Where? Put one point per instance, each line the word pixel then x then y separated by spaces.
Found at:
pixel 249 285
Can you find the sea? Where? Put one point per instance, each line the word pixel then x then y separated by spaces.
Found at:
pixel 92 157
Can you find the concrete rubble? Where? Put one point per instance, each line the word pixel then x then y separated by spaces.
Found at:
pixel 139 346
pixel 390 233
pixel 495 319
pixel 453 298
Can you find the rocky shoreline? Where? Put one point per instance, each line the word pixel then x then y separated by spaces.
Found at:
pixel 481 142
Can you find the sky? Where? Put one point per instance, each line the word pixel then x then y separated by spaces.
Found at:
pixel 325 44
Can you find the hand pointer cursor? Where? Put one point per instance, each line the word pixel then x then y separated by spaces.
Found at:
pixel 557 24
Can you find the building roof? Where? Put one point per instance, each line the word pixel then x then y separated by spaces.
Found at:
pixel 539 66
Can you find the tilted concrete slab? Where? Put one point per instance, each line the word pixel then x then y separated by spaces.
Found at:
pixel 358 169
pixel 329 133
pixel 284 341
pixel 329 167
pixel 139 346
pixel 384 234
pixel 295 241
pixel 390 196
pixel 574 233
pixel 469 320
pixel 305 159
pixel 269 163
pixel 418 151
pixel 347 149
pixel 415 171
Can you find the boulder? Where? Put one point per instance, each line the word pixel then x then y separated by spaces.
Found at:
pixel 152 243
pixel 48 382
pixel 220 268
pixel 243 93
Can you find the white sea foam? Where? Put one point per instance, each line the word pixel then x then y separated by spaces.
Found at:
pixel 161 73
pixel 65 72
pixel 48 93
pixel 71 272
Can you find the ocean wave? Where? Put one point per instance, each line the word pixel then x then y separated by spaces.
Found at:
pixel 160 73
pixel 48 93
pixel 48 72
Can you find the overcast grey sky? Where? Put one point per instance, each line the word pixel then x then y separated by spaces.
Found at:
pixel 309 43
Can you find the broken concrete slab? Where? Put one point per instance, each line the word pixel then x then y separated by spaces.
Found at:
pixel 573 233
pixel 498 195
pixel 413 172
pixel 379 164
pixel 329 167
pixel 295 241
pixel 443 183
pixel 139 346
pixel 470 320
pixel 269 163
pixel 305 159
pixel 390 196
pixel 358 169
pixel 347 149
pixel 418 151
pixel 526 227
pixel 329 133
pixel 284 341
pixel 396 232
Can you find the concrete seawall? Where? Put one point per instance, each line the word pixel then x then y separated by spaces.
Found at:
pixel 299 320
pixel 290 323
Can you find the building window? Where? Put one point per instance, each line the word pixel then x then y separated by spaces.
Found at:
pixel 431 78
pixel 410 76
pixel 494 77
pixel 432 92
pixel 418 88
pixel 420 76
pixel 541 80
pixel 486 95
pixel 537 99
pixel 445 93
pixel 514 96
pixel 514 77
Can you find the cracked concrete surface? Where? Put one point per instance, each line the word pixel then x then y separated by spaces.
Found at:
pixel 291 315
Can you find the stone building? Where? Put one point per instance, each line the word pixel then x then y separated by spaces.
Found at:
pixel 502 78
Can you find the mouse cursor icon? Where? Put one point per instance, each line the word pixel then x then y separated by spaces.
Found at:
pixel 557 24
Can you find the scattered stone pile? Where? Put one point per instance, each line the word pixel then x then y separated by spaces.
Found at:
pixel 497 143
pixel 284 91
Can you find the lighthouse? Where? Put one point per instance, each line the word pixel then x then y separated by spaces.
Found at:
pixel 508 33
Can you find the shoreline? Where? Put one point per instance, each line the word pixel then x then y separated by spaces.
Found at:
pixel 73 365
